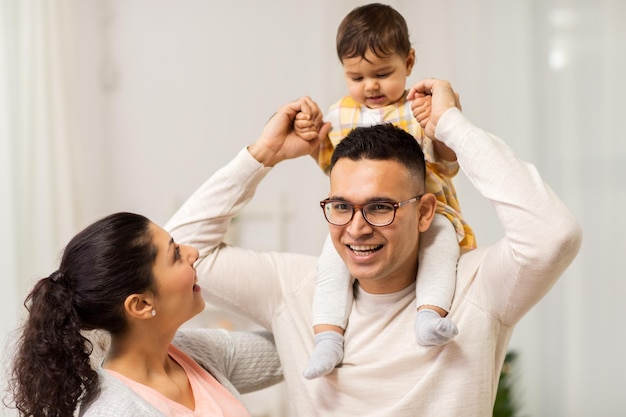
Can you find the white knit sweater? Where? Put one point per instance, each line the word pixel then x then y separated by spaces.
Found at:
pixel 384 371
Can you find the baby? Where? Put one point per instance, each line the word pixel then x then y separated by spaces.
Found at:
pixel 375 52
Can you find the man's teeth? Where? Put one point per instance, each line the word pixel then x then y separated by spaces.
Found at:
pixel 363 249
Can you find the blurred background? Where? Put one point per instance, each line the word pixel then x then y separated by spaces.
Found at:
pixel 111 105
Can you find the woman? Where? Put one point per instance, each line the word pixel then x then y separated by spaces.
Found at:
pixel 125 275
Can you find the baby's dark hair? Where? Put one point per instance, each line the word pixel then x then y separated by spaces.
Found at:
pixel 382 142
pixel 102 265
pixel 373 27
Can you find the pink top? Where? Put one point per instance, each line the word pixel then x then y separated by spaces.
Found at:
pixel 211 398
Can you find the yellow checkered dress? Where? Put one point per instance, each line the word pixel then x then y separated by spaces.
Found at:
pixel 347 114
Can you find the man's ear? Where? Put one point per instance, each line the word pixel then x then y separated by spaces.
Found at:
pixel 139 306
pixel 428 204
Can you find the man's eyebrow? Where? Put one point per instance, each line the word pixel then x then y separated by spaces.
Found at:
pixel 369 200
pixel 336 197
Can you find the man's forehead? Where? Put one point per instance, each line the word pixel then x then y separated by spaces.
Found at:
pixel 368 178
pixel 346 166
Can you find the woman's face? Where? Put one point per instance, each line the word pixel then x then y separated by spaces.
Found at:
pixel 179 296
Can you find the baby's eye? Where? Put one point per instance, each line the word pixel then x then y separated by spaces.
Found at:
pixel 385 75
pixel 357 79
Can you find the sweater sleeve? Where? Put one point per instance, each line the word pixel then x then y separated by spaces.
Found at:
pixel 247 359
pixel 541 236
pixel 243 281
pixel 203 219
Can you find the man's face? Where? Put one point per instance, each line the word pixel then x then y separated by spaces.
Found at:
pixel 383 259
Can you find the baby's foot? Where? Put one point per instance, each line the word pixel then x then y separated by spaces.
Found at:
pixel 433 330
pixel 328 353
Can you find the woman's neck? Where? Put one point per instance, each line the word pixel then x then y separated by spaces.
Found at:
pixel 146 361
pixel 139 352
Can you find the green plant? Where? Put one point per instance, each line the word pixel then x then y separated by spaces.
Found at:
pixel 505 404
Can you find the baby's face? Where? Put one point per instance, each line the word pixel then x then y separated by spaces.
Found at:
pixel 377 82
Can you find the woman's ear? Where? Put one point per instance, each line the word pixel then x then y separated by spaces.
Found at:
pixel 428 204
pixel 139 306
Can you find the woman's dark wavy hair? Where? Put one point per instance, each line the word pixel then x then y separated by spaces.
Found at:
pixel 372 27
pixel 382 142
pixel 103 264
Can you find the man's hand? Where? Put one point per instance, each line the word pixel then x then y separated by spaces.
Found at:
pixel 431 99
pixel 279 141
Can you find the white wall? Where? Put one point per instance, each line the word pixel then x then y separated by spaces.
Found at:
pixel 192 85
pixel 169 91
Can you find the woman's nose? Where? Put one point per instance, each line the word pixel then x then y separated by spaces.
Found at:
pixel 192 254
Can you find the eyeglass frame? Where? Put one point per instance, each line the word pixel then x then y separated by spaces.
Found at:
pixel 360 207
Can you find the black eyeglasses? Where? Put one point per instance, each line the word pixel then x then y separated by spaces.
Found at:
pixel 378 213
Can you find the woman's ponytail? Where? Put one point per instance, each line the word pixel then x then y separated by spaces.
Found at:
pixel 52 370
pixel 101 266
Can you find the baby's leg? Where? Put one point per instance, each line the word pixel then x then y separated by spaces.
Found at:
pixel 331 307
pixel 436 280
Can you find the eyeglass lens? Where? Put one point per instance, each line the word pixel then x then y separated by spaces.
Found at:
pixel 377 214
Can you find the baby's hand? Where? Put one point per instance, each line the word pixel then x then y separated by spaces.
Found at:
pixel 425 111
pixel 421 106
pixel 306 126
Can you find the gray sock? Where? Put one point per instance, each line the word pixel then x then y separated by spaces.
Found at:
pixel 327 354
pixel 433 330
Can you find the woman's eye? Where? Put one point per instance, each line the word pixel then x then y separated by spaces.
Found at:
pixel 177 253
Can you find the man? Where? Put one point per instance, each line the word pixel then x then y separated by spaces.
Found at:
pixel 383 372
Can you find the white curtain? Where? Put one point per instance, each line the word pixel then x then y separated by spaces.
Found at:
pixel 43 158
pixel 8 297
pixel 37 209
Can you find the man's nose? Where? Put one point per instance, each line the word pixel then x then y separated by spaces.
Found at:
pixel 358 226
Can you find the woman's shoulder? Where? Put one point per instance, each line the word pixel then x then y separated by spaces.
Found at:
pixel 116 399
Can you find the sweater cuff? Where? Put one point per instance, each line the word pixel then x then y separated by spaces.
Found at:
pixel 452 128
pixel 249 165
